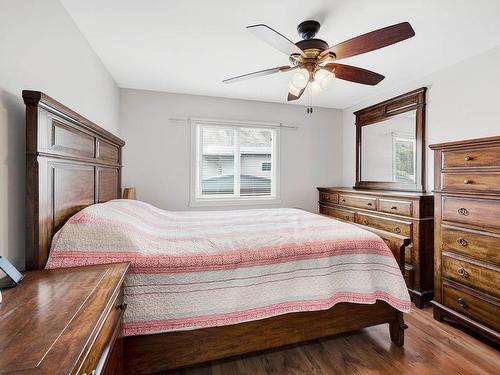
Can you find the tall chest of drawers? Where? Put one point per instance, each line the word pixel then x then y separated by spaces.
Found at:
pixel 406 213
pixel 467 233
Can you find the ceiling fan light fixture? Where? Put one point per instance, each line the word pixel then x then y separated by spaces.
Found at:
pixel 323 77
pixel 300 78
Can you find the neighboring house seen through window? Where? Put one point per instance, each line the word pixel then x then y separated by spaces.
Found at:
pixel 233 163
pixel 265 166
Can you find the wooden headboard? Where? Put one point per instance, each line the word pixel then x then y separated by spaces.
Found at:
pixel 71 163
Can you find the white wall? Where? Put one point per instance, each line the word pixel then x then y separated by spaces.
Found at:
pixel 41 49
pixel 462 103
pixel 157 154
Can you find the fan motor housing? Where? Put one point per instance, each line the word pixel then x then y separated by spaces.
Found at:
pixel 312 44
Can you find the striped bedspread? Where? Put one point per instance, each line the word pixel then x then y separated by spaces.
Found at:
pixel 210 268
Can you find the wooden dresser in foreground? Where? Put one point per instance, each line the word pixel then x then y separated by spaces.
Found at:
pixel 65 321
pixel 406 213
pixel 467 246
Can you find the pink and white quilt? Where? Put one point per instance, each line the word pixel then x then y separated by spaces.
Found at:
pixel 201 269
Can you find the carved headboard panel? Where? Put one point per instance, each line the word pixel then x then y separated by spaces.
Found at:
pixel 71 163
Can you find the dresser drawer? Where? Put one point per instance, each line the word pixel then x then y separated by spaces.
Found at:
pixel 480 246
pixel 390 225
pixel 102 347
pixel 473 181
pixel 485 279
pixel 472 158
pixel 328 197
pixel 360 202
pixel 472 306
pixel 479 212
pixel 395 207
pixel 337 213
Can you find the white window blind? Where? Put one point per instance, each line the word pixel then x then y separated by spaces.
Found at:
pixel 235 162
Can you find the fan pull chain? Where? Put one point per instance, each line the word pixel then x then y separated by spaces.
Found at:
pixel 309 100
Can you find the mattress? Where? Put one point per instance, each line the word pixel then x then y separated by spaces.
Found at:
pixel 197 269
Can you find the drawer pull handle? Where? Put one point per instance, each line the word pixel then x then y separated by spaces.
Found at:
pixel 463 211
pixel 394 208
pixel 463 272
pixel 461 241
pixel 121 306
pixel 397 230
pixel 346 217
pixel 343 200
pixel 370 204
pixel 365 222
pixel 461 302
pixel 467 182
pixel 468 158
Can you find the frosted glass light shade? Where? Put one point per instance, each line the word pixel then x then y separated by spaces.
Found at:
pixel 300 78
pixel 323 77
pixel 316 88
pixel 293 90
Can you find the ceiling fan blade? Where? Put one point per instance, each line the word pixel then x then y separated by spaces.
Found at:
pixel 275 39
pixel 354 74
pixel 294 97
pixel 259 73
pixel 371 41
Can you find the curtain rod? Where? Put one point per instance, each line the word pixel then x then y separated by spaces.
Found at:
pixel 234 122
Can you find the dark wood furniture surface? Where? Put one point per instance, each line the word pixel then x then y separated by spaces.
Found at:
pixel 73 163
pixel 411 101
pixel 65 321
pixel 467 233
pixel 410 214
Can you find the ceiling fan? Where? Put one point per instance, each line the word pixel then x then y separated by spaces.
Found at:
pixel 314 61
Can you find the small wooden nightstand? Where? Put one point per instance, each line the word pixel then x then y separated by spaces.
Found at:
pixel 64 321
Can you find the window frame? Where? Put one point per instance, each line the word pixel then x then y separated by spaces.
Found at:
pixel 197 199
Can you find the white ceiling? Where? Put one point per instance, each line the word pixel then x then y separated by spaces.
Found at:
pixel 190 46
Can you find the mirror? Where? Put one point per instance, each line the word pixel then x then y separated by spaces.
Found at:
pixel 390 144
pixel 389 149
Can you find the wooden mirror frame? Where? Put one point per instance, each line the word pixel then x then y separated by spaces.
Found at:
pixel 413 100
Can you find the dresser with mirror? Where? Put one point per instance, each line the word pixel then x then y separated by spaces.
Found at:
pixel 389 192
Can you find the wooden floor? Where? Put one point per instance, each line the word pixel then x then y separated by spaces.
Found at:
pixel 430 348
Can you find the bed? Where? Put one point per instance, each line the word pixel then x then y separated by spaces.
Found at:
pixel 268 278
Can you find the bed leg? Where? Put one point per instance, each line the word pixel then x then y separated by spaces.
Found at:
pixel 397 330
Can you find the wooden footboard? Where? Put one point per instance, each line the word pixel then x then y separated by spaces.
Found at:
pixel 159 352
pixel 154 353
pixel 396 243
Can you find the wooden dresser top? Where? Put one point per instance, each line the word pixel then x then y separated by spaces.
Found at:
pixel 48 320
pixel 466 142
pixel 390 193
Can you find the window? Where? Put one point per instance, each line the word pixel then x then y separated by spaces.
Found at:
pixel 403 159
pixel 232 163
